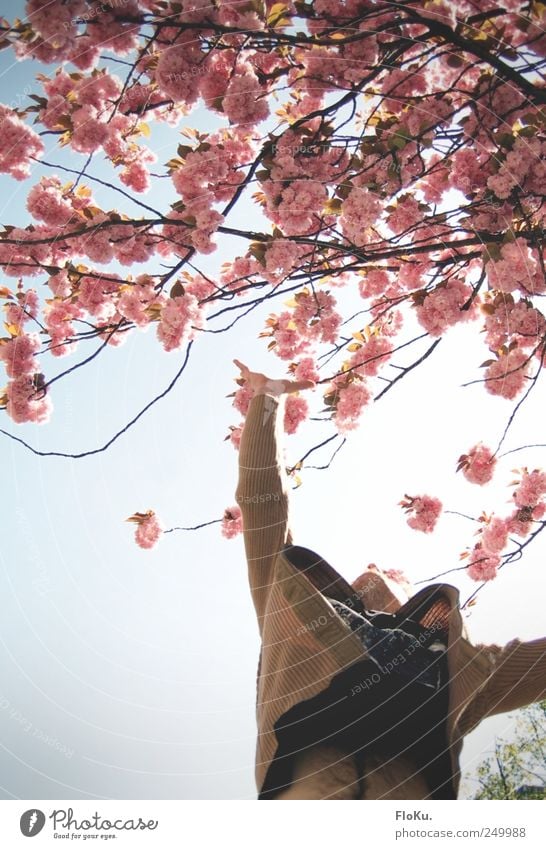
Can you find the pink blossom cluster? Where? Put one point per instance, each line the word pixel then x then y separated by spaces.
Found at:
pixel 350 401
pixel 398 84
pixel 296 410
pixel 507 375
pixel 413 275
pixel 289 341
pixel 59 313
pixel 468 171
pixel 315 316
pixel 17 354
pixel 531 489
pixel 371 356
pixel 375 282
pixel 245 101
pixel 296 208
pixel 50 202
pixel 135 299
pixel 359 212
pixel 26 401
pixel 232 522
pixel 424 512
pixel 306 369
pixel 508 320
pixel 483 566
pixel 478 466
pixel 406 214
pixel 280 258
pixel 516 270
pixel 22 308
pixel 179 321
pixel 242 398
pixel 442 308
pixel 20 145
pixel 84 107
pixel 524 167
pixel 57 35
pixel 148 530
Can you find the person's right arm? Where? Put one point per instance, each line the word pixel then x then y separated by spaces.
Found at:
pixel 263 486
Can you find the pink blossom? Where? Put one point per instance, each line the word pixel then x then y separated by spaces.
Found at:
pixel 406 214
pixel 359 211
pixel 235 433
pixel 232 522
pixel 18 354
pixel 295 412
pixel 442 307
pixel 371 356
pixel 516 269
pixel 296 208
pixel 22 310
pixel 180 317
pixel 58 317
pixel 245 101
pixel 350 402
pixel 94 294
pixel 136 176
pixel 506 376
pixel 531 489
pixel 426 511
pixel 374 283
pixel 483 566
pixel 148 531
pixel 289 340
pixel 398 576
pixel 242 399
pixel 506 319
pixel 25 404
pixel 47 202
pixel 478 465
pixel 20 144
pixel 306 370
pixel 520 521
pixel 494 535
pixel 134 301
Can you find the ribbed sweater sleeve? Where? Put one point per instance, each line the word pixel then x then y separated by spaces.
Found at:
pixel 263 494
pixel 518 678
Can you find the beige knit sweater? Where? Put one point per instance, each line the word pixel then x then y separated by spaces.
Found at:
pixel 304 641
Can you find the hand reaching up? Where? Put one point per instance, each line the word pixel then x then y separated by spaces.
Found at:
pixel 262 385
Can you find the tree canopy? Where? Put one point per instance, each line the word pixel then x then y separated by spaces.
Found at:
pixel 392 157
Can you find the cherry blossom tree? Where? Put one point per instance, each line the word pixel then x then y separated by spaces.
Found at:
pixel 392 151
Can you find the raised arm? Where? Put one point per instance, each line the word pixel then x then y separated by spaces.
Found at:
pixel 518 678
pixel 263 486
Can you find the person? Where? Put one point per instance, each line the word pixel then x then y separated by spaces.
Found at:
pixel 362 692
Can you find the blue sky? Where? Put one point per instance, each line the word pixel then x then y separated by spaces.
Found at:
pixel 131 674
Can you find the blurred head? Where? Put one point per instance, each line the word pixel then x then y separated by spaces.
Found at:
pixel 382 589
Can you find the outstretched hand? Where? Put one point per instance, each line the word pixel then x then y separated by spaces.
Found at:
pixel 261 384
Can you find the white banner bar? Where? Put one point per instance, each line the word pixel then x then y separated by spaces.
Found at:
pixel 218 824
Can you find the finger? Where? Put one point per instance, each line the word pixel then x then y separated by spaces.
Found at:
pixel 241 366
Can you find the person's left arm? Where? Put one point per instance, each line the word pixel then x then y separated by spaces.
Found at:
pixel 518 677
